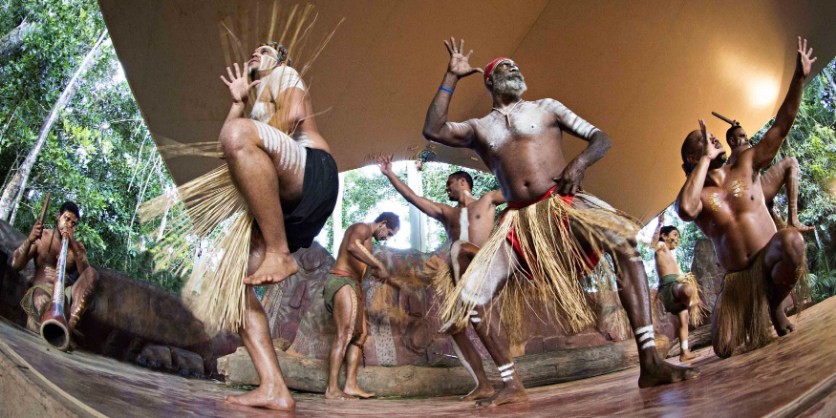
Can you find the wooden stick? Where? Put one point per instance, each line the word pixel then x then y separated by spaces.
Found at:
pixel 44 208
pixel 725 119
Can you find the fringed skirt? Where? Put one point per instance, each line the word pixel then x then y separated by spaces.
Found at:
pixel 543 248
pixel 742 316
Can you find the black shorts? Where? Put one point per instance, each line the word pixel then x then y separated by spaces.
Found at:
pixel 319 195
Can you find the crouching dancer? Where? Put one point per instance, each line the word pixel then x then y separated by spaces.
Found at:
pixel 550 237
pixel 343 294
pixel 727 203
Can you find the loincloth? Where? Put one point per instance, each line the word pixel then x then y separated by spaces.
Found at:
pixel 553 244
pixel 336 280
pixel 319 196
pixel 742 317
pixel 27 303
pixel 666 284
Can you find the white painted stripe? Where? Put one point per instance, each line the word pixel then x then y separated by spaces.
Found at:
pixel 646 336
pixel 651 343
pixel 642 330
pixel 474 312
pixel 508 379
pixel 505 367
pixel 507 373
pixel 475 320
pixel 684 345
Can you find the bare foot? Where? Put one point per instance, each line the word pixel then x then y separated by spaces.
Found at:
pixel 273 269
pixel 800 226
pixel 508 394
pixel 264 398
pixel 479 392
pixel 659 372
pixel 782 324
pixel 338 395
pixel 687 355
pixel 357 392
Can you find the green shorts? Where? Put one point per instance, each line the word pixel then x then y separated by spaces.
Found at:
pixel 333 284
pixel 666 284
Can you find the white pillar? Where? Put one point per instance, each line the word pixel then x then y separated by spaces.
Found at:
pixel 417 219
pixel 337 217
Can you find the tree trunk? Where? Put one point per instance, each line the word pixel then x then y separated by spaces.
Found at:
pixel 11 194
pixel 11 41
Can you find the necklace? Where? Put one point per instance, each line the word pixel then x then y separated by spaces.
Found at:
pixel 508 113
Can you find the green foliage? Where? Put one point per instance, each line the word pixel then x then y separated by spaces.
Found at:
pixel 99 153
pixel 813 142
pixel 364 188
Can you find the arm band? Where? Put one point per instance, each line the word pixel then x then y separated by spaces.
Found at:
pixel 445 89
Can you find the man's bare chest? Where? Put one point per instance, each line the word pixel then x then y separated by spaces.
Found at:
pixel 514 130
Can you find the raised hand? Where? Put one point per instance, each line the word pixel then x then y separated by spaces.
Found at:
pixel 805 57
pixel 239 85
pixel 459 63
pixel 36 231
pixel 709 143
pixel 385 164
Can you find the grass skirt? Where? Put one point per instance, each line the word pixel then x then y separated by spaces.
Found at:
pixel 551 233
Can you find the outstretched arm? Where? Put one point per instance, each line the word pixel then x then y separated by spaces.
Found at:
pixel 658 232
pixel 436 126
pixel 432 209
pixel 768 147
pixel 239 88
pixel 689 202
pixel 598 143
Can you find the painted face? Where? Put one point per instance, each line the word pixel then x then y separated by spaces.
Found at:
pixel 508 80
pixel 672 239
pixel 264 58
pixel 67 222
pixel 384 232
pixel 738 139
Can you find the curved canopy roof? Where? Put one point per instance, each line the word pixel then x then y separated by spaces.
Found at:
pixel 641 71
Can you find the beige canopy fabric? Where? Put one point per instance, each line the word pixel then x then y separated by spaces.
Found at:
pixel 642 71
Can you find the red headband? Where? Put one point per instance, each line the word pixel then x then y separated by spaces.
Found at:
pixel 491 65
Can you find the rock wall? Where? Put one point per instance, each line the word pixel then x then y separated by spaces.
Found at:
pixel 403 322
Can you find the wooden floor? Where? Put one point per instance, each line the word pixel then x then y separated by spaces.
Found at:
pixel 795 375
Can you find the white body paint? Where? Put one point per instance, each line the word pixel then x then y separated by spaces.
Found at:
pixel 464 226
pixel 570 120
pixel 291 150
pixel 646 336
pixel 464 362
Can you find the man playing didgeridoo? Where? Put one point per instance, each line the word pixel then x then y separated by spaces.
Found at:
pixel 468 225
pixel 44 246
pixel 551 237
pixel 727 203
pixel 290 186
pixel 678 292
pixel 343 294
